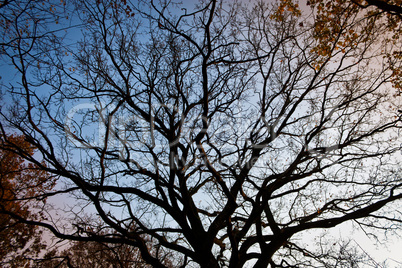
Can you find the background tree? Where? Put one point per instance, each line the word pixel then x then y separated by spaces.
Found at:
pixel 19 184
pixel 93 254
pixel 97 255
pixel 223 133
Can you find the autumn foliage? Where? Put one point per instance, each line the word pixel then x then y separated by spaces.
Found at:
pixel 21 185
pixel 334 32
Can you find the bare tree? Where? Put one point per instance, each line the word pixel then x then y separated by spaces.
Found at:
pixel 221 132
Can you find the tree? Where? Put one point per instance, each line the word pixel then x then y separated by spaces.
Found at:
pixel 93 254
pixel 19 183
pixel 223 133
pixel 98 255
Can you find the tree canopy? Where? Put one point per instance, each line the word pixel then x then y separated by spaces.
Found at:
pixel 219 134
